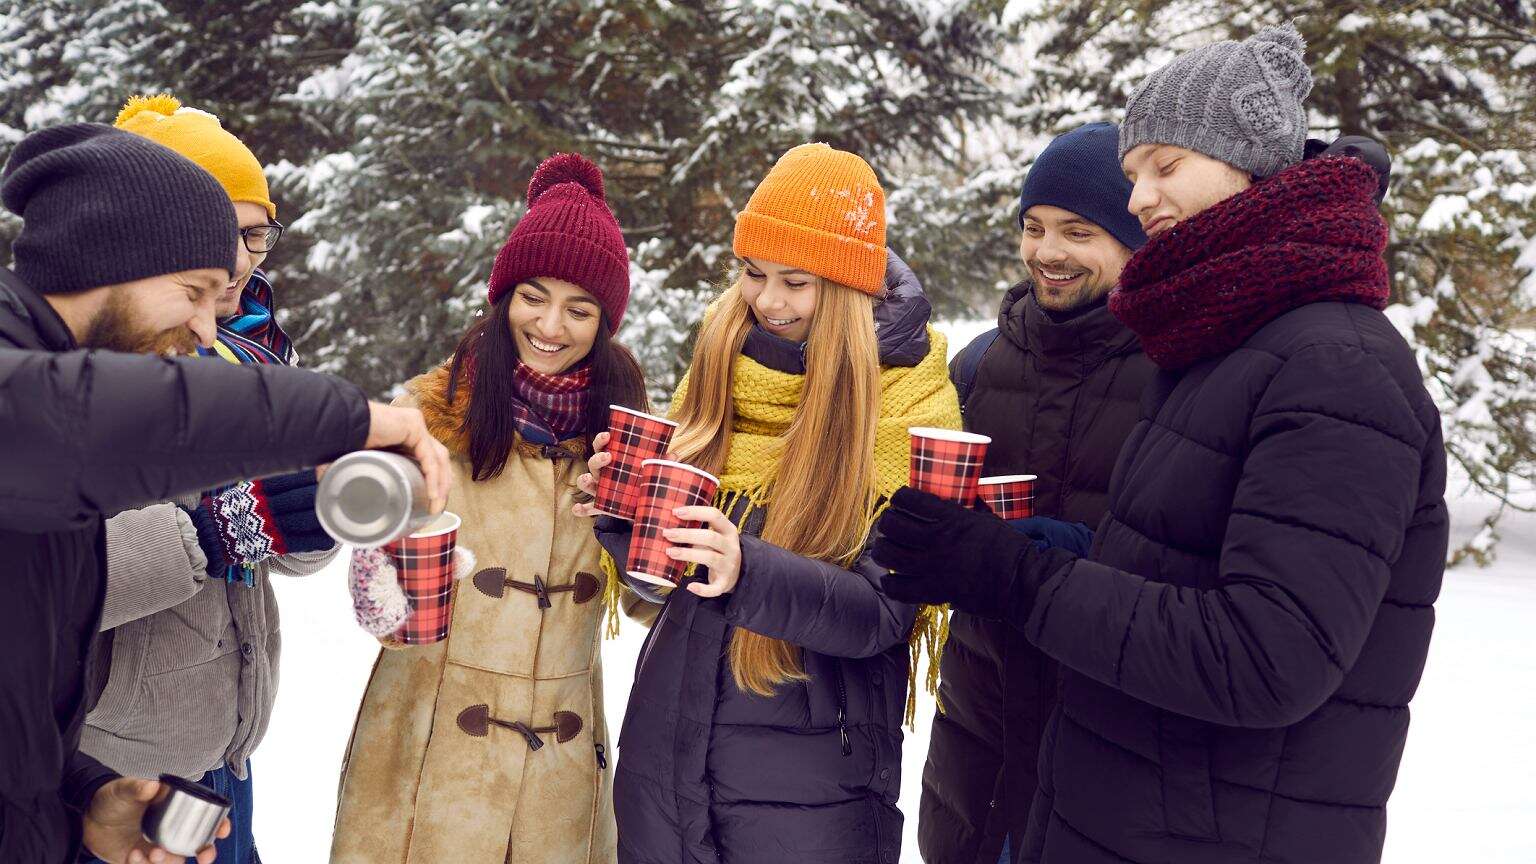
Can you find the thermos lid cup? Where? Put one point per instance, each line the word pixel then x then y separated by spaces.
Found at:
pixel 370 497
pixel 186 819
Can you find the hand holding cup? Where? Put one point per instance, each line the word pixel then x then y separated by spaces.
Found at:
pixel 716 546
pixel 587 482
pixel 634 438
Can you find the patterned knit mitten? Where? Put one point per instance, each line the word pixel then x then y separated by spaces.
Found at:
pixel 378 601
pixel 251 522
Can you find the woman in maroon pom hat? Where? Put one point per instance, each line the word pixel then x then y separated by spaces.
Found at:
pixel 491 745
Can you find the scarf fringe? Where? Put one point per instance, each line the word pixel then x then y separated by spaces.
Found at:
pixel 930 633
pixel 613 594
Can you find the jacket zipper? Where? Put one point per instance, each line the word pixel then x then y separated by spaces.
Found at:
pixel 602 756
pixel 842 711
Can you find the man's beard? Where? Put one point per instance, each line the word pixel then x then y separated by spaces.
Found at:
pixel 116 328
pixel 1085 296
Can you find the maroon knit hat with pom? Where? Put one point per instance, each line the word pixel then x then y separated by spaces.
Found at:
pixel 568 233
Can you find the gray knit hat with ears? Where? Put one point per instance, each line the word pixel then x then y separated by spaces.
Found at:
pixel 1239 102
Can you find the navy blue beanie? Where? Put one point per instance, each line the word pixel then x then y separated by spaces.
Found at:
pixel 1080 172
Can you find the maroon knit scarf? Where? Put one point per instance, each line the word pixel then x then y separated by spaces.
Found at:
pixel 552 404
pixel 1308 234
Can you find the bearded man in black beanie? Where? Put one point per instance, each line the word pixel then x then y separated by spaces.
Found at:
pixel 1056 386
pixel 124 246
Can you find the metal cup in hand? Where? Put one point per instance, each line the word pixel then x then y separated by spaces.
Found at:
pixel 370 497
pixel 185 820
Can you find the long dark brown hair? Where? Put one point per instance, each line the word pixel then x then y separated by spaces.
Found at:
pixel 487 358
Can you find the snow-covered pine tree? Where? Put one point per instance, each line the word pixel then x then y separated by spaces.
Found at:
pixel 445 108
pixel 1448 87
pixel 79 60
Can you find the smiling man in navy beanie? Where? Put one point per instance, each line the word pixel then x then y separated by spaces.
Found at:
pixel 1056 386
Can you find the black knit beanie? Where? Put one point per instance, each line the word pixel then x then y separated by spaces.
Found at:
pixel 101 206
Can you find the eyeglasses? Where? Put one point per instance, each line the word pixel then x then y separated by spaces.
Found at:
pixel 261 238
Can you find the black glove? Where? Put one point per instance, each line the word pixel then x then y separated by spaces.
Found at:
pixel 940 552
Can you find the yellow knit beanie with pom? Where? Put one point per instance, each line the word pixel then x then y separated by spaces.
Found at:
pixel 198 136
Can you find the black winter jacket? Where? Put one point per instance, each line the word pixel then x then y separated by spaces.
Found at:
pixel 710 773
pixel 1058 395
pixel 1240 649
pixel 84 434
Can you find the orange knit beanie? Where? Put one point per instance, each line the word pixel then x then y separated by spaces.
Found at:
pixel 822 210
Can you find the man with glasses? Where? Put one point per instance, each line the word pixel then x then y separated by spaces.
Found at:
pixel 190 620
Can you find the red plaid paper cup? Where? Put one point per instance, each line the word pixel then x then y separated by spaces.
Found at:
pixel 633 437
pixel 947 462
pixel 1010 496
pixel 425 562
pixel 666 485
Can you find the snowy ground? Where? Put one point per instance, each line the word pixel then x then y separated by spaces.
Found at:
pixel 1467 790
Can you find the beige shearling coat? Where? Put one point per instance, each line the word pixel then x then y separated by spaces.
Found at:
pixel 436 770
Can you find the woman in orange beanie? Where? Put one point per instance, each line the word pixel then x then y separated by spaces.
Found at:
pixel 764 721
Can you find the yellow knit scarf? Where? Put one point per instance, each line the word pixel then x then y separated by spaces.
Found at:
pixel 765 402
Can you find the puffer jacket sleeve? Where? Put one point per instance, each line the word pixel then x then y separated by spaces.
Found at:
pixel 88 432
pixel 816 605
pixel 1327 491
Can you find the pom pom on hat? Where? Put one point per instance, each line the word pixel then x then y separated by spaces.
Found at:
pixel 200 137
pixel 566 168
pixel 163 104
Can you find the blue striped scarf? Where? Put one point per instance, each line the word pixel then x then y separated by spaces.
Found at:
pixel 251 335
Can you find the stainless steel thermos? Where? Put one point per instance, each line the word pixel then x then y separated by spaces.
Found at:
pixel 370 497
pixel 185 820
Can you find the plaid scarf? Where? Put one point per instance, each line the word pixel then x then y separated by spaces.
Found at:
pixel 552 407
pixel 251 335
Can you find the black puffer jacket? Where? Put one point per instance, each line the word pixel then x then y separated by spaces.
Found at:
pixel 1239 652
pixel 1058 395
pixel 708 773
pixel 84 434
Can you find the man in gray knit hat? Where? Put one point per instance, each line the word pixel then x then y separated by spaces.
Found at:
pixel 1239 647
pixel 1220 117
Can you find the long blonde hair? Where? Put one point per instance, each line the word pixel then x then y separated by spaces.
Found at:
pixel 823 486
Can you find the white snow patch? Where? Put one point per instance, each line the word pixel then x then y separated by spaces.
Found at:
pixel 1354 22
pixel 1463 792
pixel 1442 212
